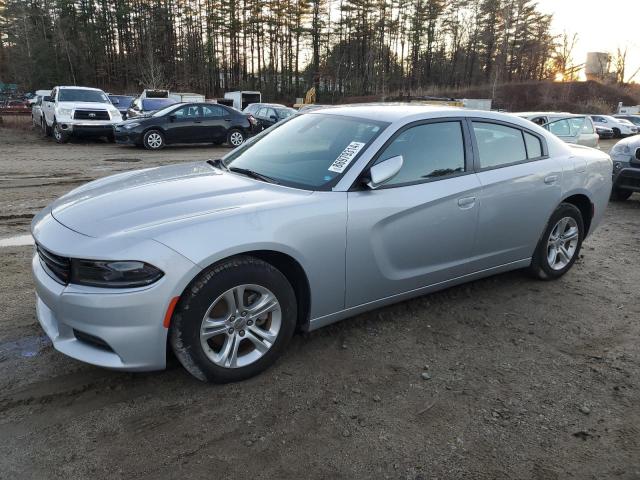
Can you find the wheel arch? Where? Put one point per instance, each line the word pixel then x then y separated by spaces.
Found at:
pixel 290 268
pixel 583 203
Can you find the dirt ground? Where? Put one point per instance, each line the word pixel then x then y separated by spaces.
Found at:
pixel 526 379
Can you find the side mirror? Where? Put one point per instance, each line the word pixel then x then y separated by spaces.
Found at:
pixel 638 153
pixel 172 118
pixel 274 118
pixel 47 99
pixel 384 171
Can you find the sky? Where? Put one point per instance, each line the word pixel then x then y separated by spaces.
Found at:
pixel 601 25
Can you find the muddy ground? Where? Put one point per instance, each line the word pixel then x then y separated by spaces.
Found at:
pixel 528 380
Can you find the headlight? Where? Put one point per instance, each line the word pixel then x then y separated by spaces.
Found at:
pixel 129 126
pixel 113 274
pixel 622 149
pixel 65 112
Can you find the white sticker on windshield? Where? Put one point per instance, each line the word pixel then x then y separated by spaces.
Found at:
pixel 344 159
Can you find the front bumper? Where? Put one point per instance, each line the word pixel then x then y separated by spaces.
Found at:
pixel 120 329
pixel 127 137
pixel 87 129
pixel 627 179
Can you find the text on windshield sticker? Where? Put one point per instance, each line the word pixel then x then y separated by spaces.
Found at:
pixel 345 158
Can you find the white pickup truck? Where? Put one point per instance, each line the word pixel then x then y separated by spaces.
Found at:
pixel 78 111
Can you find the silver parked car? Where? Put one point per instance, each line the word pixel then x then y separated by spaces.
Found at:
pixel 328 214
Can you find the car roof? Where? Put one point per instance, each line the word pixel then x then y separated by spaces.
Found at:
pixel 392 112
pixel 79 88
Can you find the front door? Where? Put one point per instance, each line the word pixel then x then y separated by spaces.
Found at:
pixel 184 125
pixel 419 228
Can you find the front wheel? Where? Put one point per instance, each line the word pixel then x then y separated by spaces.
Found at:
pixel 153 140
pixel 618 195
pixel 235 138
pixel 60 135
pixel 560 244
pixel 617 133
pixel 234 320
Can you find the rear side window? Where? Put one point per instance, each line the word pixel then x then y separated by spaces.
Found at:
pixel 534 146
pixel 428 151
pixel 212 111
pixel 499 145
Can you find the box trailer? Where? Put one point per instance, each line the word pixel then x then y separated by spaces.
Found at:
pixel 187 97
pixel 242 98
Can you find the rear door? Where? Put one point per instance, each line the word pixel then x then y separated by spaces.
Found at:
pixel 521 187
pixel 419 228
pixel 215 121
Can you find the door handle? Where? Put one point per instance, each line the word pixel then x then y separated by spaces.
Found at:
pixel 197 121
pixel 466 202
pixel 550 179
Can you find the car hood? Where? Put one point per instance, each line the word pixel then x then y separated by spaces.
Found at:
pixel 141 200
pixel 85 105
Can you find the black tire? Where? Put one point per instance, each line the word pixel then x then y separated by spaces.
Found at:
pixel 617 133
pixel 184 334
pixel 153 140
pixel 46 130
pixel 233 135
pixel 540 266
pixel 60 135
pixel 619 195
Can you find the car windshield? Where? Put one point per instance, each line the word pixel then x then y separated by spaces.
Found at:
pixel 285 112
pixel 79 95
pixel 149 104
pixel 121 100
pixel 307 151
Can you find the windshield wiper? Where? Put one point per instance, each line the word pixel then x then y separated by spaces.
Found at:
pixel 252 174
pixel 218 163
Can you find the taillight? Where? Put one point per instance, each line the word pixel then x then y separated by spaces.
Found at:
pixel 252 120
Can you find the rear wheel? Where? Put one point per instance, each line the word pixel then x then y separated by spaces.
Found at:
pixel 235 138
pixel 619 195
pixel 234 321
pixel 46 130
pixel 153 140
pixel 560 244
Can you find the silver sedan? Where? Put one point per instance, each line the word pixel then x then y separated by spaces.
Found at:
pixel 326 215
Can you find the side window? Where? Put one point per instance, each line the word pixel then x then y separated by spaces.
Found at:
pixel 54 94
pixel 534 146
pixel 210 111
pixel 271 113
pixel 587 127
pixel 187 112
pixel 262 112
pixel 539 120
pixel 499 145
pixel 429 151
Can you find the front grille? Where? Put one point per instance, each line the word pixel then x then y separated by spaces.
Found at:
pixel 59 267
pixel 91 115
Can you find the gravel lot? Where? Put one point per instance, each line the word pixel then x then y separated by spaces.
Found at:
pixel 502 378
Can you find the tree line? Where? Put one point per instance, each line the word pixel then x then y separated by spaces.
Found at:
pixel 281 47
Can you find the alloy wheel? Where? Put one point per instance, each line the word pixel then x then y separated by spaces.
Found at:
pixel 240 326
pixel 154 140
pixel 236 139
pixel 562 243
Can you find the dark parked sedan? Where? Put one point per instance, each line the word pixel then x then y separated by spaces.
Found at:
pixel 186 123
